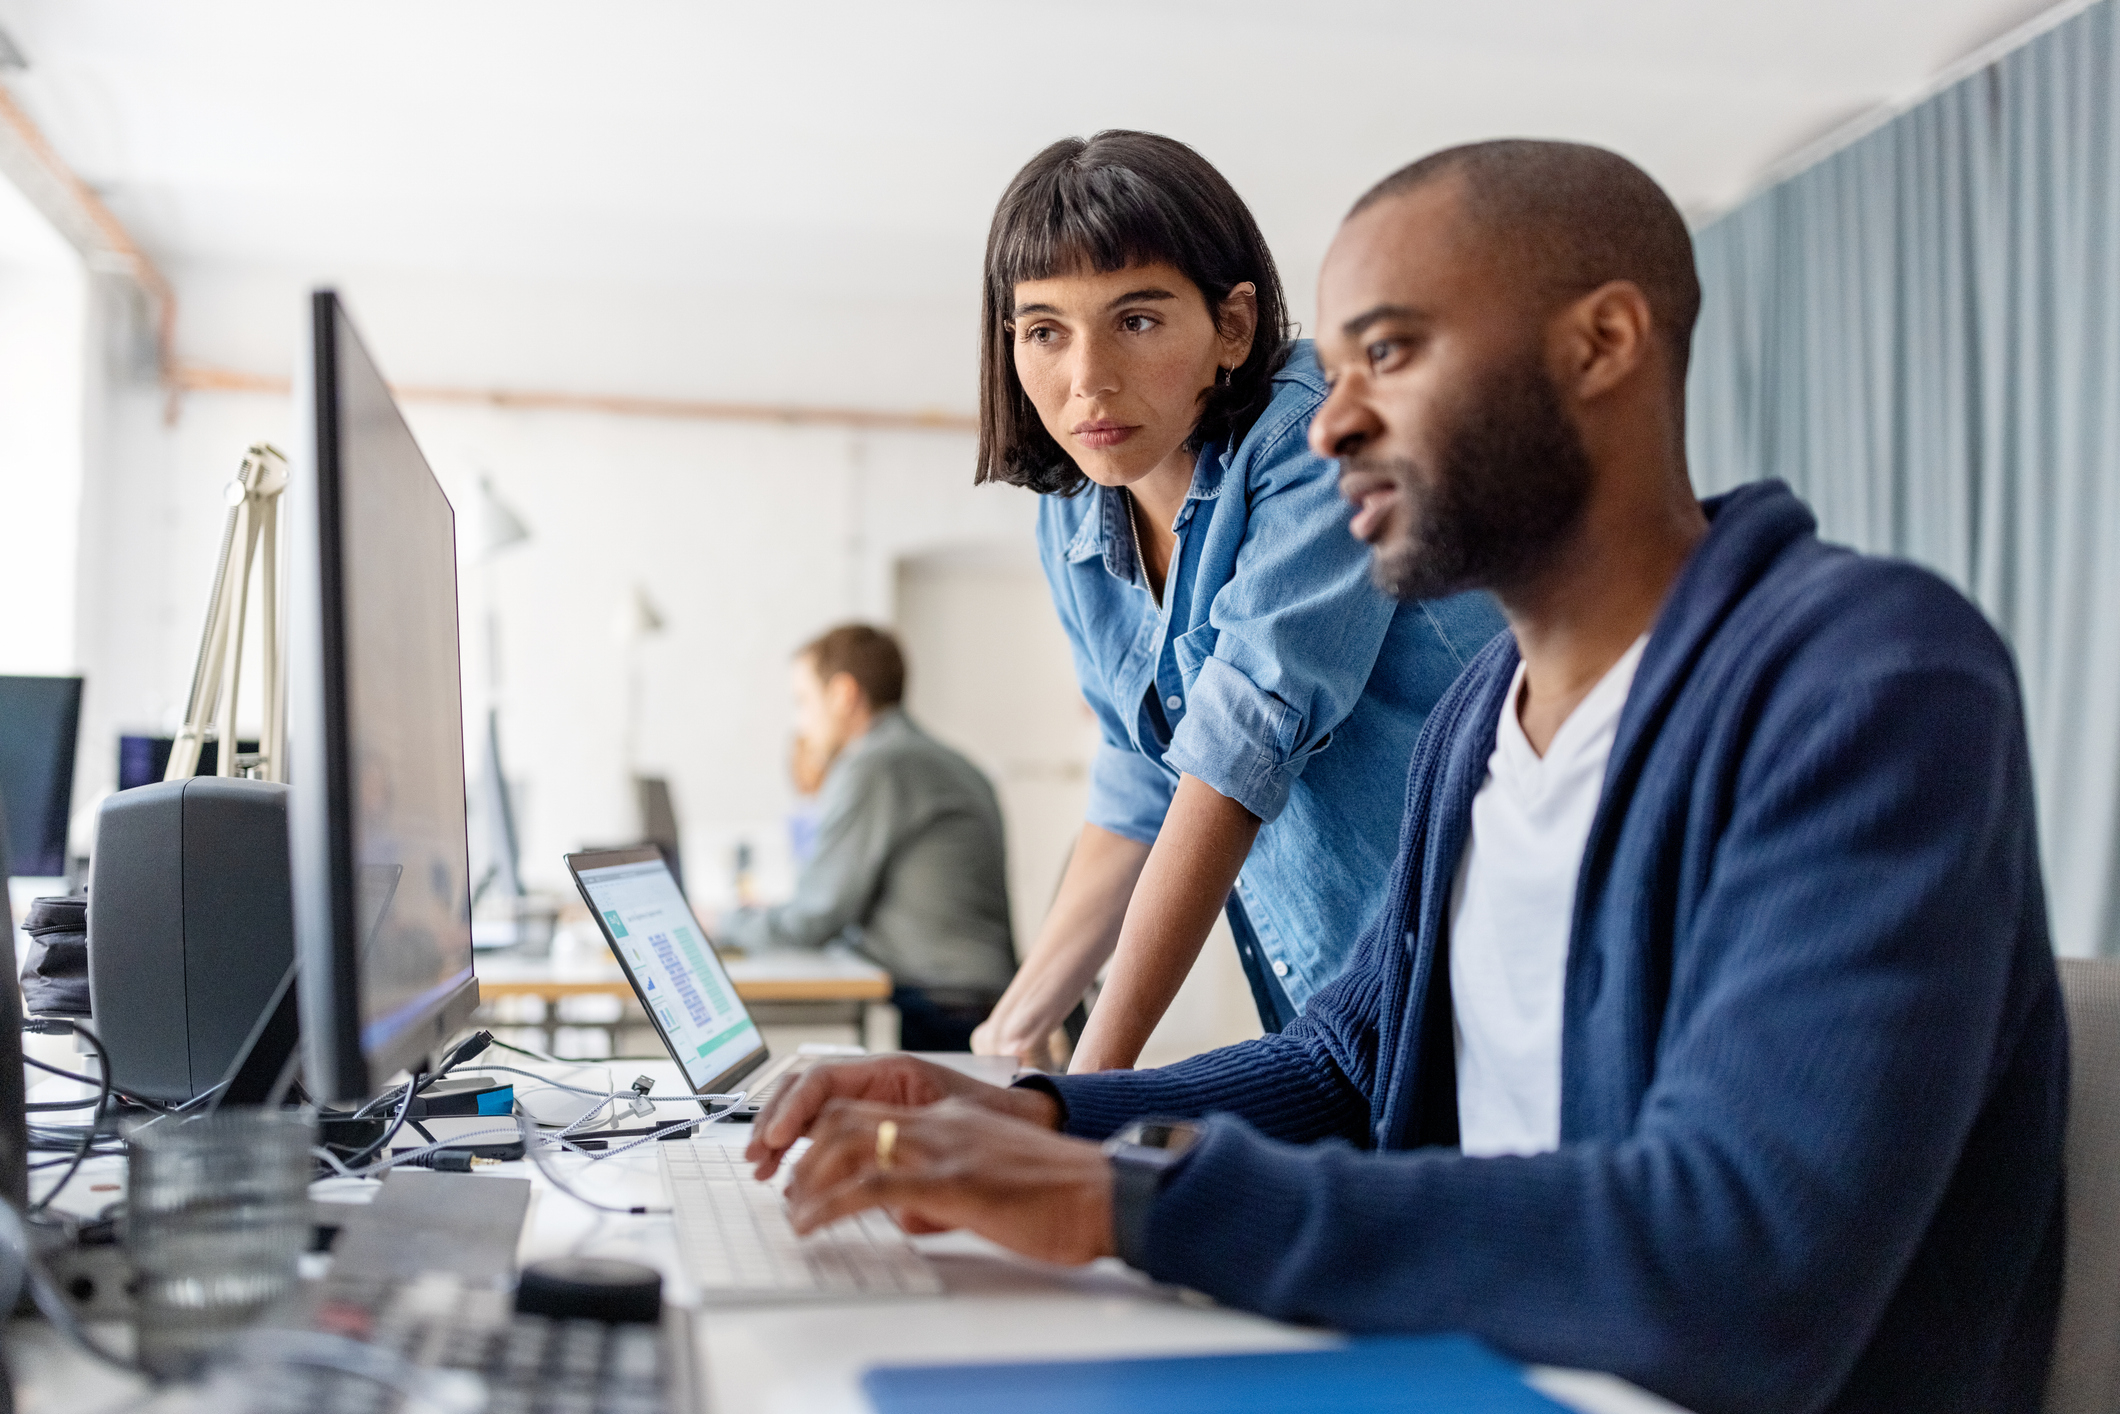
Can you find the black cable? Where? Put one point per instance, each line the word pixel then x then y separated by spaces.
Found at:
pixel 472 1045
pixel 62 1074
pixel 143 1102
pixel 89 1136
pixel 412 1087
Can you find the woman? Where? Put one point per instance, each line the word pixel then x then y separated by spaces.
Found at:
pixel 1257 697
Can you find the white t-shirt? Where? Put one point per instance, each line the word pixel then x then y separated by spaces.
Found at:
pixel 1510 910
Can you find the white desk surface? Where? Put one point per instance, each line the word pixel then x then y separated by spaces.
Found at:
pixel 808 1359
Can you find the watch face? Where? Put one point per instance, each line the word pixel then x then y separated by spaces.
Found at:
pixel 1173 1136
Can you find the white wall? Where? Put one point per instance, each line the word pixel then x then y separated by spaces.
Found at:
pixel 749 537
pixel 43 328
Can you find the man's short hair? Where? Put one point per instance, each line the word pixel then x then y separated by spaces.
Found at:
pixel 864 653
pixel 1577 217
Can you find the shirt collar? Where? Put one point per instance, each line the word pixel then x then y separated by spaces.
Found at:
pixel 1105 531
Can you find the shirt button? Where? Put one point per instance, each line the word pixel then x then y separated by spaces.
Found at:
pixel 1280 968
pixel 1174 702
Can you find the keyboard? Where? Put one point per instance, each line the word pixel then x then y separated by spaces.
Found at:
pixel 468 1332
pixel 736 1244
pixel 786 1075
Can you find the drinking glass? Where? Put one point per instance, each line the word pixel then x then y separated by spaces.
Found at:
pixel 217 1215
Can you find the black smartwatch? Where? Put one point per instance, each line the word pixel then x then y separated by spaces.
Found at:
pixel 1142 1156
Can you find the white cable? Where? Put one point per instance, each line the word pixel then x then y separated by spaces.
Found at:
pixel 669 1129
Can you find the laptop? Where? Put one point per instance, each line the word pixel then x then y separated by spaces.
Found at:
pixel 674 970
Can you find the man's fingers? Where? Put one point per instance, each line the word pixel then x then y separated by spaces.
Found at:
pixel 843 1142
pixel 871 1189
pixel 789 1113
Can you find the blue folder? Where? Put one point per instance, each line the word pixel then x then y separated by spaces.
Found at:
pixel 1401 1374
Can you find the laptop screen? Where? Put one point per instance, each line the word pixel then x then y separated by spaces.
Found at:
pixel 673 968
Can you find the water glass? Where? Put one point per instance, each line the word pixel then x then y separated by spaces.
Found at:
pixel 217 1216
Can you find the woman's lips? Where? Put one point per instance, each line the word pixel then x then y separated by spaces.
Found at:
pixel 1101 434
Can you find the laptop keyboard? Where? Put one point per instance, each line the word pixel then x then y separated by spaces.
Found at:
pixel 787 1075
pixel 736 1244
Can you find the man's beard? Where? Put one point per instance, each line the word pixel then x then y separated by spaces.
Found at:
pixel 1507 488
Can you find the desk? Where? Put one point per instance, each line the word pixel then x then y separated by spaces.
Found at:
pixel 809 1360
pixel 759 977
pixel 859 991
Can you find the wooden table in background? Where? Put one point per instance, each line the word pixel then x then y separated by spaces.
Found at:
pixel 774 981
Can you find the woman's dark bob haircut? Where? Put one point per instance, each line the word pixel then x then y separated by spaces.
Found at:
pixel 1121 198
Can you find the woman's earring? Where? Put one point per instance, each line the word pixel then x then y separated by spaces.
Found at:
pixel 1221 378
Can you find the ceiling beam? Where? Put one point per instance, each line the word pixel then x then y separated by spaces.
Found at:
pixel 201 378
pixel 28 159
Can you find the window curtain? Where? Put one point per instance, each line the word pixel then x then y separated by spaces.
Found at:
pixel 1921 335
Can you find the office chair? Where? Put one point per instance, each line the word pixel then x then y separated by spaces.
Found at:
pixel 2085 1378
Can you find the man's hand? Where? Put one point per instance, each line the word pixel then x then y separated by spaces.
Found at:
pixel 958 1164
pixel 885 1080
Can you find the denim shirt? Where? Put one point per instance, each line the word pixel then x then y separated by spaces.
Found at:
pixel 1274 672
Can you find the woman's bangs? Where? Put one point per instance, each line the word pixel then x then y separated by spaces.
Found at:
pixel 1081 230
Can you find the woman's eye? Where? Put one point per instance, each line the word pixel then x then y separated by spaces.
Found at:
pixel 1138 323
pixel 1381 352
pixel 1042 334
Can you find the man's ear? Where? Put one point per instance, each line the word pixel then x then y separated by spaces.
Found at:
pixel 1237 321
pixel 1607 336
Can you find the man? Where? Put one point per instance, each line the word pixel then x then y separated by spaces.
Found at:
pixel 908 866
pixel 1741 1073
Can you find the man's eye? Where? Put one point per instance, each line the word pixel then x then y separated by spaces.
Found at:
pixel 1381 351
pixel 1138 323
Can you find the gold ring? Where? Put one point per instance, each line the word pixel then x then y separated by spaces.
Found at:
pixel 886 1142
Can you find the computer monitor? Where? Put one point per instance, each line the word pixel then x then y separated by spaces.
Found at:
pixel 39 720
pixel 376 814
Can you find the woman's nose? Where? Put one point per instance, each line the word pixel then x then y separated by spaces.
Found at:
pixel 1095 370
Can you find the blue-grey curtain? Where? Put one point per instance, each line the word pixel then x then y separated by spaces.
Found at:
pixel 1921 334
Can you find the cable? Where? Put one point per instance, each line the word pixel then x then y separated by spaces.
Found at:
pixel 533 1148
pixel 471 1045
pixel 142 1101
pixel 62 1074
pixel 412 1088
pixel 456 1141
pixel 667 1130
pixel 89 1136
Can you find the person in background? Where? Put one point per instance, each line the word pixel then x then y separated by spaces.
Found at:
pixel 806 768
pixel 1257 696
pixel 1712 1036
pixel 909 865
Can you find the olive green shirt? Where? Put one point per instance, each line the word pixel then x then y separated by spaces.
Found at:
pixel 909 869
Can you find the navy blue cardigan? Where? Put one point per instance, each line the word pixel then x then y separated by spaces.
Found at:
pixel 1813 1061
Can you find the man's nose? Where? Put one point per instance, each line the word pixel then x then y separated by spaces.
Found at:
pixel 1343 425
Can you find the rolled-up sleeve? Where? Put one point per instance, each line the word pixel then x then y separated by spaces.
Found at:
pixel 1128 793
pixel 1297 630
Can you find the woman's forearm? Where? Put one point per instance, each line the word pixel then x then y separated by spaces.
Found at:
pixel 1080 931
pixel 1187 879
